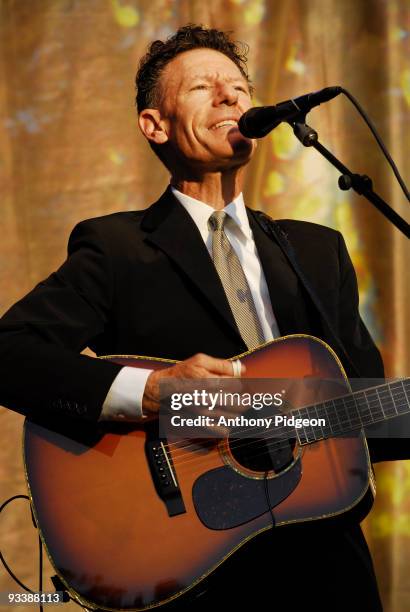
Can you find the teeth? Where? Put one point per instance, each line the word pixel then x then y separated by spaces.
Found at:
pixel 226 122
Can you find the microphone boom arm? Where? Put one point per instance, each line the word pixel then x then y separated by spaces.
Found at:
pixel 360 183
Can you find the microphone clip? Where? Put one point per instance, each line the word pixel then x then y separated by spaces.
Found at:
pixel 303 132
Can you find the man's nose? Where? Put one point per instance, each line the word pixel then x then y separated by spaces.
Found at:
pixel 226 94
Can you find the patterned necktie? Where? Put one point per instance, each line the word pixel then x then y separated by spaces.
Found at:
pixel 234 282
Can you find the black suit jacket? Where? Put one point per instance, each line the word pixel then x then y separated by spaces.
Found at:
pixel 143 283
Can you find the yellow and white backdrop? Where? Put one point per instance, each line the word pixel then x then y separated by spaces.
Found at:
pixel 70 149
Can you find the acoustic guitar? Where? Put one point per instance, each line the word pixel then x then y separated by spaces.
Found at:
pixel 133 521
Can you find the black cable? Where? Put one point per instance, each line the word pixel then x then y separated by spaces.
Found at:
pixel 23 586
pixel 40 573
pixel 265 481
pixel 40 547
pixel 378 140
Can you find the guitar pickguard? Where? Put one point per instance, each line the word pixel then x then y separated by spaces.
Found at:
pixel 224 498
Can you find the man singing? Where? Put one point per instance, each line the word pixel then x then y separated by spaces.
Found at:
pixel 197 277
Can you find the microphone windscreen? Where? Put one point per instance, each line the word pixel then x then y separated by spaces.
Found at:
pixel 258 121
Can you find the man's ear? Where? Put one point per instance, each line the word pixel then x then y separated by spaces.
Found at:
pixel 152 125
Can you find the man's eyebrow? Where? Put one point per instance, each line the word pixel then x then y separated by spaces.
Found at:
pixel 210 77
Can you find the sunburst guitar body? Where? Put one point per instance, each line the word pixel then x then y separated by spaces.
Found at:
pixel 131 523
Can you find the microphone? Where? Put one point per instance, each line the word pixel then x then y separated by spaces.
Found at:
pixel 260 120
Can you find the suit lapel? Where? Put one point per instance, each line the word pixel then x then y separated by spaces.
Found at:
pixel 171 229
pixel 284 290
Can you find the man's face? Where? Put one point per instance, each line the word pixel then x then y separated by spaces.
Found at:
pixel 203 95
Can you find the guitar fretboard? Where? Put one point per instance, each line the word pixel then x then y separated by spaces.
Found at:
pixel 355 410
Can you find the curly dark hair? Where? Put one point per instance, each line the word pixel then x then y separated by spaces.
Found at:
pixel 188 37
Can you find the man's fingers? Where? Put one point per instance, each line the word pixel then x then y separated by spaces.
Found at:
pixel 220 367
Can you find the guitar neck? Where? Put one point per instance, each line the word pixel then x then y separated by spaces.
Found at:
pixel 355 410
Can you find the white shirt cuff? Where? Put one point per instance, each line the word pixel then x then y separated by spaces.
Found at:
pixel 124 399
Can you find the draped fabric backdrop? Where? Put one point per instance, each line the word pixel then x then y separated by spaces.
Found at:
pixel 70 149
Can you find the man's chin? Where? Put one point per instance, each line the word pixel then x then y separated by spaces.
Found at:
pixel 242 150
pixel 229 158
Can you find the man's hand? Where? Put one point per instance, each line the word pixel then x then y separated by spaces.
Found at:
pixel 198 366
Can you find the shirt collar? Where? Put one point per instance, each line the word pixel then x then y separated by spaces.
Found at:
pixel 200 212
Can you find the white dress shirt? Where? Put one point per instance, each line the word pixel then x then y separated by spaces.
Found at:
pixel 124 399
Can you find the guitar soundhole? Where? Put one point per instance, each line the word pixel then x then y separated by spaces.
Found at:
pixel 262 454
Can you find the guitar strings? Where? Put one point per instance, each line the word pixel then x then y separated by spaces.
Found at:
pixel 203 460
pixel 188 457
pixel 344 398
pixel 266 435
pixel 185 456
pixel 279 430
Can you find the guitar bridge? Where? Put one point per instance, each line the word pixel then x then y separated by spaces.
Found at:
pixel 164 476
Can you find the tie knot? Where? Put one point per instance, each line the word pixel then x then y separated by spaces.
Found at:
pixel 217 220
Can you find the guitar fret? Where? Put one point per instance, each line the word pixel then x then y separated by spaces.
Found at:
pixel 332 412
pixel 385 397
pixel 363 408
pixel 352 408
pixel 322 414
pixel 306 433
pixel 338 416
pixel 404 389
pixel 298 415
pixel 370 408
pixel 374 405
pixel 390 397
pixel 343 414
pixel 370 414
pixel 400 398
pixel 321 435
pixel 308 430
